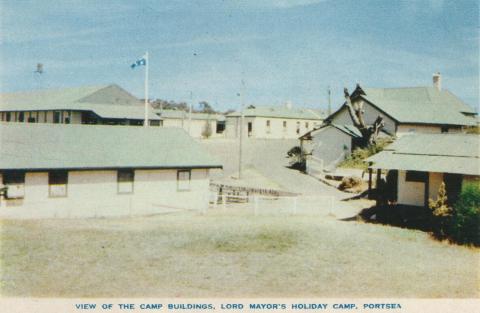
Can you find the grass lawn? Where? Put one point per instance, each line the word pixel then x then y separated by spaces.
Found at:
pixel 186 255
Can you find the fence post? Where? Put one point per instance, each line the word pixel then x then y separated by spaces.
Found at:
pixel 255 207
pixel 331 205
pixel 215 200
pixel 295 205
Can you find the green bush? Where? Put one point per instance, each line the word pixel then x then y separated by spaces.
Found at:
pixel 465 223
pixel 357 158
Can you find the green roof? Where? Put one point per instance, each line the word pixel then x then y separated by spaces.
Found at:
pixel 444 153
pixel 56 146
pixel 418 105
pixel 180 114
pixel 280 112
pixel 108 101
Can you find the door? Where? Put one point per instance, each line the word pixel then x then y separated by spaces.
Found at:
pixel 250 129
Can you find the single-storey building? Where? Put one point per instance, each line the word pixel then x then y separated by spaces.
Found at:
pixel 273 122
pixel 418 163
pixel 329 145
pixel 197 125
pixel 109 104
pixel 69 171
pixel 410 109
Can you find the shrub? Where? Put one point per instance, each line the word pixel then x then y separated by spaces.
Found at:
pixel 298 159
pixel 357 158
pixel 465 224
pixel 350 182
pixel 461 223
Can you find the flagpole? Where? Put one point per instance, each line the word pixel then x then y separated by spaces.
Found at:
pixel 145 122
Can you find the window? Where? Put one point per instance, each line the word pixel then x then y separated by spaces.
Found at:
pixel 444 129
pixel 284 125
pixel 8 116
pixel 57 183
pixel 268 126
pixel 31 119
pixel 306 125
pixel 154 123
pixel 67 117
pixel 56 117
pixel 15 182
pixel 298 128
pixel 21 117
pixel 415 176
pixel 125 181
pixel 183 180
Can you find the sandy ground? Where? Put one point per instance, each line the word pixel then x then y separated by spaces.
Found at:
pixel 229 255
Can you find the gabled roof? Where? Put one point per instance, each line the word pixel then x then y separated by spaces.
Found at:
pixel 107 101
pixel 280 112
pixel 444 153
pixel 180 114
pixel 417 105
pixel 56 146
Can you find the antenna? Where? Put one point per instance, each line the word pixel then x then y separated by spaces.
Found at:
pixel 37 75
pixel 329 91
pixel 39 68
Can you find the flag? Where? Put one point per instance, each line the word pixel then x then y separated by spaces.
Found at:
pixel 142 61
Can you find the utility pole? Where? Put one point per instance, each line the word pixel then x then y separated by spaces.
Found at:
pixel 329 101
pixel 190 114
pixel 242 120
pixel 145 123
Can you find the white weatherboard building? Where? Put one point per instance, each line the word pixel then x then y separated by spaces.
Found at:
pixel 410 109
pixel 419 163
pixel 404 111
pixel 273 122
pixel 74 170
pixel 107 104
pixel 194 124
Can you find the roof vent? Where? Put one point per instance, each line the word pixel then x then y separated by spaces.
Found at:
pixel 437 81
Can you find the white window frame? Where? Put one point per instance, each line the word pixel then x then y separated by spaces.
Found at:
pixel 57 190
pixel 184 178
pixel 125 187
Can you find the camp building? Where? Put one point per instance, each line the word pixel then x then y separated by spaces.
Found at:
pixel 273 122
pixel 404 110
pixel 419 163
pixel 410 109
pixel 109 104
pixel 74 170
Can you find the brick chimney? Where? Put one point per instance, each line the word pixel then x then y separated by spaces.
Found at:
pixel 437 81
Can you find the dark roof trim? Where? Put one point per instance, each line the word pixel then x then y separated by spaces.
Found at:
pixel 113 168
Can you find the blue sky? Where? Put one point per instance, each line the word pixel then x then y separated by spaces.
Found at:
pixel 283 50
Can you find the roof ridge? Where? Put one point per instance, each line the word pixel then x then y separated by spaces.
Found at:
pixel 31 91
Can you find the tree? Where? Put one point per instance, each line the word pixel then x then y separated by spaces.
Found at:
pixel 441 212
pixel 356 112
pixel 206 107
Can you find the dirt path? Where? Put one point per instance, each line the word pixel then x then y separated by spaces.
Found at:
pixel 269 158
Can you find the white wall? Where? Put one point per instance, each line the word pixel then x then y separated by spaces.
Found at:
pixel 410 193
pixel 403 129
pixel 275 131
pixel 329 147
pixel 195 129
pixel 94 193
